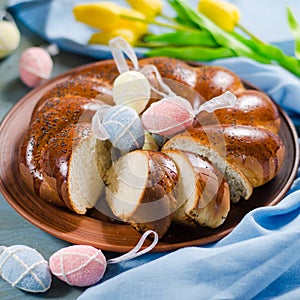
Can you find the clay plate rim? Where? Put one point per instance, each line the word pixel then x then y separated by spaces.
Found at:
pixel 104 233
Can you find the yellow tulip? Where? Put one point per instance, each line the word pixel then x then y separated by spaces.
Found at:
pixel 109 15
pixel 139 27
pixel 224 14
pixel 150 8
pixel 98 15
pixel 103 37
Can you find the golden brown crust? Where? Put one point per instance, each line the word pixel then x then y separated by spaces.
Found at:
pixel 160 191
pixel 212 81
pixel 50 121
pixel 59 109
pixel 208 81
pixel 55 160
pixel 174 70
pixel 252 107
pixel 88 88
pixel 165 172
pixel 256 152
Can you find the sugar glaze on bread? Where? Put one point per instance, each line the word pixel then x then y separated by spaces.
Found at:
pixel 55 145
pixel 248 156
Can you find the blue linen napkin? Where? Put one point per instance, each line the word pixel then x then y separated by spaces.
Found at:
pixel 260 259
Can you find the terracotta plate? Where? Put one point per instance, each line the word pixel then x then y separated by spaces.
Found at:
pixel 100 231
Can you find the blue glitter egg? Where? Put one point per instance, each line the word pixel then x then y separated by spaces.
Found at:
pixel 25 268
pixel 124 128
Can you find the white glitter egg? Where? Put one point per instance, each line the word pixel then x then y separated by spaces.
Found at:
pixel 132 89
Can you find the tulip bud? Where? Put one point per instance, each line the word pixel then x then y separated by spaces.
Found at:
pixel 224 14
pixel 104 36
pixel 109 16
pixel 102 15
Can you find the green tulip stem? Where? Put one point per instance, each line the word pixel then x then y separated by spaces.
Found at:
pixel 158 23
pixel 250 34
pixel 170 19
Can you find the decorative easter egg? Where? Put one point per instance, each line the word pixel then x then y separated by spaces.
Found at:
pixel 132 89
pixel 124 128
pixel 25 268
pixel 78 265
pixel 35 66
pixel 168 116
pixel 9 38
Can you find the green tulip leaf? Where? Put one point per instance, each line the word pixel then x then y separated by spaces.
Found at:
pixel 295 29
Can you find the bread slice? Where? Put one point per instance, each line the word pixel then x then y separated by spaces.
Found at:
pixel 71 164
pixel 57 114
pixel 140 190
pixel 203 193
pixel 239 185
pixel 247 156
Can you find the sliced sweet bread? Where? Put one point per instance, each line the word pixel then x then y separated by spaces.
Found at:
pixel 70 166
pixel 203 193
pixel 247 156
pixel 239 185
pixel 58 114
pixel 140 190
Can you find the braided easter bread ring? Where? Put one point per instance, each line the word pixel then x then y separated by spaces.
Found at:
pixel 62 162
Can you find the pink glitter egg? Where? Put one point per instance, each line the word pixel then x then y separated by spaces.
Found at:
pixel 168 116
pixel 35 66
pixel 78 265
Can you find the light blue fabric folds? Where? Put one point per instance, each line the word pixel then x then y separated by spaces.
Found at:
pixel 260 259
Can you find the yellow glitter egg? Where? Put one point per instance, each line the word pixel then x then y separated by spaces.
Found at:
pixel 132 89
pixel 9 38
